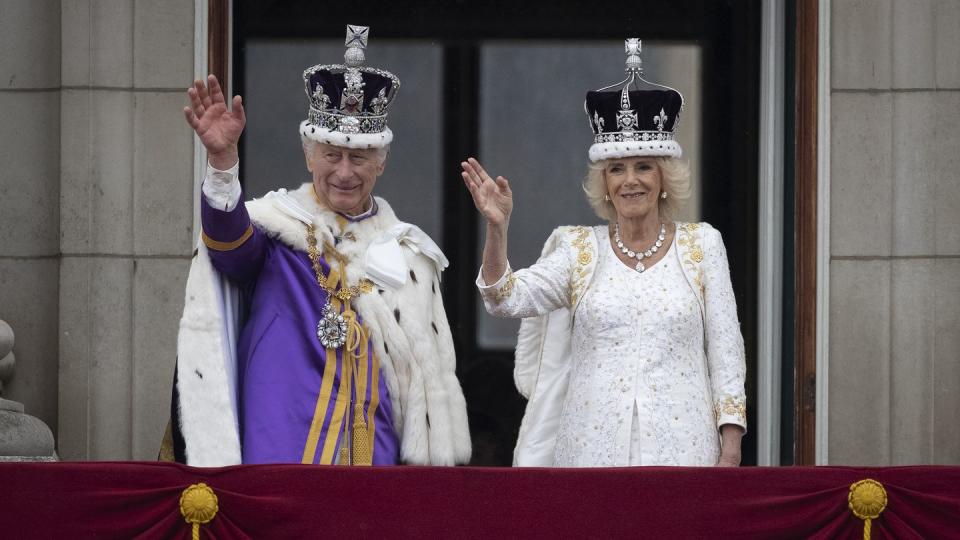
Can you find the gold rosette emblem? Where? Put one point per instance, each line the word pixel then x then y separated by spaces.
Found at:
pixel 867 500
pixel 198 505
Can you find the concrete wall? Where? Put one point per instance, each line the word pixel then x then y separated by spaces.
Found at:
pixel 894 232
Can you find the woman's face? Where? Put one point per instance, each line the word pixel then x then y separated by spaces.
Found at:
pixel 633 184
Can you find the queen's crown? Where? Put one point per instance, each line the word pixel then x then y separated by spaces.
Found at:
pixel 629 121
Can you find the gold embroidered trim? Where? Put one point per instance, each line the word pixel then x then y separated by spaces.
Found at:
pixel 226 246
pixel 578 280
pixel 731 406
pixel 692 252
pixel 506 289
pixel 374 403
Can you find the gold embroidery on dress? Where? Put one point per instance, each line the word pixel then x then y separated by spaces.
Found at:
pixel 578 280
pixel 731 406
pixel 692 252
pixel 506 289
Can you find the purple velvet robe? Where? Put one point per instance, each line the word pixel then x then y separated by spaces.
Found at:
pixel 289 412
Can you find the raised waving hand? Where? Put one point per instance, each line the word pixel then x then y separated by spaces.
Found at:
pixel 492 198
pixel 217 127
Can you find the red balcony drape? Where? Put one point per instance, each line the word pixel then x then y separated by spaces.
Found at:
pixel 142 500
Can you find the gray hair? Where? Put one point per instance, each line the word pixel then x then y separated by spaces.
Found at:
pixel 309 145
pixel 674 180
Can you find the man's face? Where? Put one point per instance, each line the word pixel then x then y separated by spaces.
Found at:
pixel 343 178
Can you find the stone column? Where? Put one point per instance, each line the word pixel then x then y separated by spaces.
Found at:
pixel 895 232
pixel 126 230
pixel 29 196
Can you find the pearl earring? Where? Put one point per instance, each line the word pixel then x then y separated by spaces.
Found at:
pixel 663 195
pixel 606 197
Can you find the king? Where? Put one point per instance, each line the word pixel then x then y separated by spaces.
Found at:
pixel 313 329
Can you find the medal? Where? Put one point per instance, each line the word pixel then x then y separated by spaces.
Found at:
pixel 332 328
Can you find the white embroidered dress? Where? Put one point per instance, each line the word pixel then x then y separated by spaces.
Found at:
pixel 652 374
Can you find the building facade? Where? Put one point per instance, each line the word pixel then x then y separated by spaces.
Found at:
pixel 98 220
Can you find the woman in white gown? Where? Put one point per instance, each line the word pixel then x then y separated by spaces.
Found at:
pixel 631 353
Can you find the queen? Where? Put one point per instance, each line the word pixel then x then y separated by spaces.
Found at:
pixel 630 351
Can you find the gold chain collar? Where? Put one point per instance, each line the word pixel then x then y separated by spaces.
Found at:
pixel 345 293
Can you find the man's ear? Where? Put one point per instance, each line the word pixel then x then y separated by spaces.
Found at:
pixel 306 157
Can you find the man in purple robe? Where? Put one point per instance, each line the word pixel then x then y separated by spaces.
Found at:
pixel 344 355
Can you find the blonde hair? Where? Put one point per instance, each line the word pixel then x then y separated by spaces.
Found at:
pixel 674 180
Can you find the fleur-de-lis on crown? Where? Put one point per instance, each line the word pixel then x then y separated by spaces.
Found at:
pixel 598 121
pixel 660 120
pixel 379 103
pixel 320 98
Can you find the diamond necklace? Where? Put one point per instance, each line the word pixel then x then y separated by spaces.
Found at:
pixel 638 255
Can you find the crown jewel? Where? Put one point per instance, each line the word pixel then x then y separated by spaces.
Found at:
pixel 628 121
pixel 349 101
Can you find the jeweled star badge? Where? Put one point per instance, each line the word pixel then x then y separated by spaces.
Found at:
pixel 332 328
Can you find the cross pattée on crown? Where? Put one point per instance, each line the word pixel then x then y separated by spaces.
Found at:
pixel 632 47
pixel 357 36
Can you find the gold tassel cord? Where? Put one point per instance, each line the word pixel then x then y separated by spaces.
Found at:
pixel 356 336
pixel 867 500
pixel 362 454
pixel 198 506
pixel 355 353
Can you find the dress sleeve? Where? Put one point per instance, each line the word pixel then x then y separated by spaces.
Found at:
pixel 236 247
pixel 724 342
pixel 533 291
